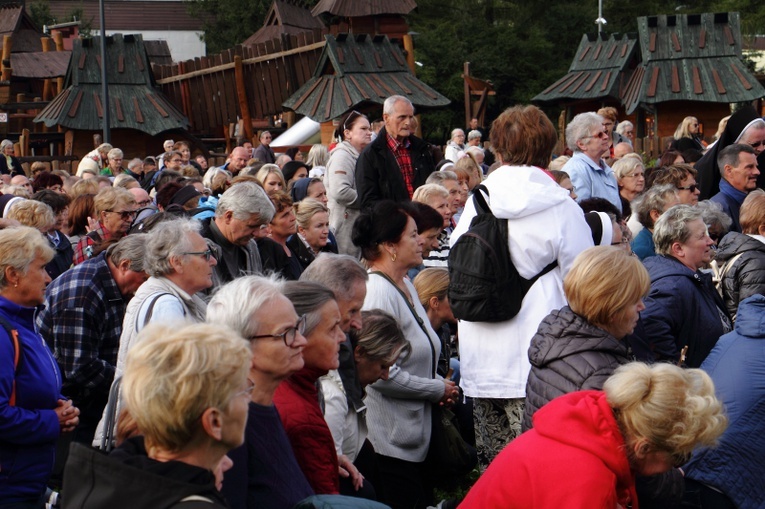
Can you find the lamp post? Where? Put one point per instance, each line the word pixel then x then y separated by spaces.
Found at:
pixel 104 85
pixel 601 20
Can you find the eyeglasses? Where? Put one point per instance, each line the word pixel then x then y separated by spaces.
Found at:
pixel 601 134
pixel 289 335
pixel 248 391
pixel 144 203
pixel 635 175
pixel 349 117
pixel 692 188
pixel 758 144
pixel 124 214
pixel 207 254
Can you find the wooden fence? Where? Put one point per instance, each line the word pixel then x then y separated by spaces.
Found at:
pixel 240 83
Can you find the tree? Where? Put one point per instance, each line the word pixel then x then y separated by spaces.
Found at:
pixel 40 14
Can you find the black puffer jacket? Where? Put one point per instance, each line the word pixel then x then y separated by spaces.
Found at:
pixel 569 354
pixel 746 276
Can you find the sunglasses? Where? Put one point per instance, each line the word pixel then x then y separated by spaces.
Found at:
pixel 207 254
pixel 353 114
pixel 692 188
pixel 124 214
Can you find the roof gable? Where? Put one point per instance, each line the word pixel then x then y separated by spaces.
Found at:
pixel 708 35
pixel 359 8
pixel 15 22
pixel 357 69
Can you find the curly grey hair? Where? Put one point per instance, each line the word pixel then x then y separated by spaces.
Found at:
pixel 169 239
pixel 672 227
pixel 580 127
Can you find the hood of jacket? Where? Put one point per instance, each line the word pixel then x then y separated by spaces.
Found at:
pixel 735 243
pixel 128 478
pixel 345 146
pixel 659 267
pixel 751 317
pixel 533 191
pixel 563 333
pixel 584 420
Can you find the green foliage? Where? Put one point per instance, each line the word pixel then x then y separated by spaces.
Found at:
pixel 40 14
pixel 230 22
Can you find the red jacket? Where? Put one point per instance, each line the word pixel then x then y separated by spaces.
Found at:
pixel 574 457
pixel 297 400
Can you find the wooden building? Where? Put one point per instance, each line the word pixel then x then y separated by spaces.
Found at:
pixel 676 65
pixel 140 114
pixel 285 18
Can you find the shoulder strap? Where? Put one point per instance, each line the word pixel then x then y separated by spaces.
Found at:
pixel 481 206
pixel 150 311
pixel 414 314
pixel 194 502
pixel 13 334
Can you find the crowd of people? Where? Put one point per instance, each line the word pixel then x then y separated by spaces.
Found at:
pixel 277 331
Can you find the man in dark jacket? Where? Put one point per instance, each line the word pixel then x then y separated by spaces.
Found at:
pixel 738 164
pixel 397 162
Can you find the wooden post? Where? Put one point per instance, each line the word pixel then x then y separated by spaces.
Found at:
pixel 58 38
pixel 468 106
pixel 24 142
pixel 48 83
pixel 241 93
pixel 409 48
pixel 6 60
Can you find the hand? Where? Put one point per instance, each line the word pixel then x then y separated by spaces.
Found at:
pixel 68 415
pixel 346 468
pixel 92 225
pixel 451 393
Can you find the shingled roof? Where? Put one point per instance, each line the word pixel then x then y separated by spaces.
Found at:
pixel 14 21
pixel 284 18
pixel 359 8
pixel 134 100
pixel 693 57
pixel 357 69
pixel 597 71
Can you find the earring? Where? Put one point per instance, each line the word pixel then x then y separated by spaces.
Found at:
pixel 393 257
pixel 15 285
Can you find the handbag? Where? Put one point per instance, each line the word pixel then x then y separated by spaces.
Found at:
pixel 448 452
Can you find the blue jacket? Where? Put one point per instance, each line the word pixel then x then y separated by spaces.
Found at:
pixel 731 199
pixel 642 245
pixel 28 430
pixel 737 366
pixel 682 308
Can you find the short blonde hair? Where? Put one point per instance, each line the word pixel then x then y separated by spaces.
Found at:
pixel 674 409
pixel 125 181
pixel 306 209
pixel 752 214
pixel 110 198
pixel 173 374
pixel 427 192
pixel 603 282
pixel 84 186
pixel 431 282
pixel 268 169
pixel 34 214
pixel 19 246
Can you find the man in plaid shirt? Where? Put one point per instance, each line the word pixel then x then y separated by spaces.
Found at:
pixel 396 162
pixel 82 323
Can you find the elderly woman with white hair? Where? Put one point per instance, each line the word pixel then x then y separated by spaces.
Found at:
pixel 455 145
pixel 649 208
pixel 187 389
pixel 265 472
pixel 179 264
pixel 684 314
pixel 114 160
pixel 630 175
pixel 9 164
pixel 589 173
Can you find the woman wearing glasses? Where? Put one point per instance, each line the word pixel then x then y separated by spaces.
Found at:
pixel 297 398
pixel 589 173
pixel 180 264
pixel 630 175
pixel 687 136
pixel 115 210
pixel 265 471
pixel 340 179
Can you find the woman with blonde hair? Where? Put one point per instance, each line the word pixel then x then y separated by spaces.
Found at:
pixel 647 420
pixel 630 175
pixel 187 389
pixel 578 346
pixel 687 136
pixel 32 413
pixel 312 236
pixel 271 178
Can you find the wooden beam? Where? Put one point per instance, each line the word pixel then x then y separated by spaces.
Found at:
pixel 241 93
pixel 254 60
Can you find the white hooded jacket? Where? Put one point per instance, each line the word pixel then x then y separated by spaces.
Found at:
pixel 544 224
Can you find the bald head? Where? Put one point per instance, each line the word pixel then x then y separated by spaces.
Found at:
pixel 622 149
pixel 141 196
pixel 237 160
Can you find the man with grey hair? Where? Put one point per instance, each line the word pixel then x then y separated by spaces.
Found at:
pixel 474 138
pixel 589 173
pixel 396 162
pixel 243 214
pixel 264 153
pixel 738 172
pixel 179 264
pixel 82 323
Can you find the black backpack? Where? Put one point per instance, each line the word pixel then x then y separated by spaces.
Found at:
pixel 484 285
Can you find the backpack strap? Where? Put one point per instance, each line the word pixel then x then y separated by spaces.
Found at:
pixel 194 502
pixel 150 310
pixel 13 334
